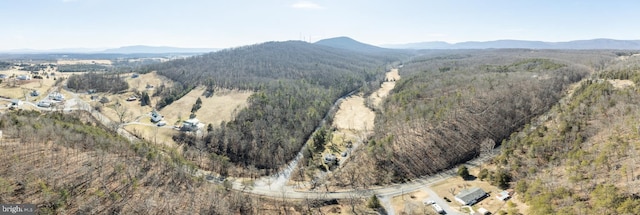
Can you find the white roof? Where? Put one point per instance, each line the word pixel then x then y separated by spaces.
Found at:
pixel 192 121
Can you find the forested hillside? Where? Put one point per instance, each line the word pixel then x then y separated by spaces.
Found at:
pixel 448 109
pixel 68 164
pixel 295 83
pixel 582 158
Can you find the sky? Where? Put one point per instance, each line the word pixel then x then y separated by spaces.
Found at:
pixel 58 24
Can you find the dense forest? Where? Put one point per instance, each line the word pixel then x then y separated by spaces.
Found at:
pixel 103 82
pixel 582 157
pixel 449 108
pixel 295 82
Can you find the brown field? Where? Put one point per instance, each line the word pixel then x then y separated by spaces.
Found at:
pixel 617 83
pixel 23 87
pixel 393 75
pixel 72 62
pixel 133 110
pixel 354 115
pixel 153 134
pixel 152 78
pixel 222 106
pixel 411 203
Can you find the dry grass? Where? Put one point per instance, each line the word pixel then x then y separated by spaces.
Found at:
pixel 411 203
pixel 154 134
pixel 152 78
pixel 24 87
pixel 222 106
pixel 354 115
pixel 620 84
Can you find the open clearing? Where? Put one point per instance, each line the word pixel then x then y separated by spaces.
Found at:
pixel 617 83
pixel 490 203
pixel 153 79
pixel 411 203
pixel 153 134
pixel 12 88
pixel 354 115
pixel 222 106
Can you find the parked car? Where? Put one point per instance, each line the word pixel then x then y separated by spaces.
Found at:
pixel 428 202
pixel 161 123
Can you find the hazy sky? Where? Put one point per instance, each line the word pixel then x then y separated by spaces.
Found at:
pixel 52 24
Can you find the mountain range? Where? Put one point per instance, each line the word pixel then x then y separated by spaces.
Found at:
pixel 524 44
pixel 138 49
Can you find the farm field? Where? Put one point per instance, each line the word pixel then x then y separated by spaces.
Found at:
pixel 140 83
pixel 222 106
pixel 12 88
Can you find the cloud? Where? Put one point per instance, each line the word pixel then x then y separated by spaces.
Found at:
pixel 307 5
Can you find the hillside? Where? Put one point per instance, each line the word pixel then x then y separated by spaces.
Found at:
pixel 451 108
pixel 295 84
pixel 69 164
pixel 582 157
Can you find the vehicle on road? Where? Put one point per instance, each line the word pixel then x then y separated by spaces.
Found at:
pixel 428 202
pixel 438 209
pixel 161 123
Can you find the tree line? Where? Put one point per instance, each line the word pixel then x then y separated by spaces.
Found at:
pixel 100 82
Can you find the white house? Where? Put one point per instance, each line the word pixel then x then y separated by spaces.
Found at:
pixel 190 125
pixel 23 77
pixel 470 196
pixel 57 96
pixel 155 116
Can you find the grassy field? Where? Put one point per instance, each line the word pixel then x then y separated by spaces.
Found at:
pixel 18 89
pixel 152 78
pixel 154 134
pixel 222 106
pixel 411 203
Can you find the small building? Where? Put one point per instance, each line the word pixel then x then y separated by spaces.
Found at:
pixel 3 76
pixel 44 103
pixel 16 102
pixel 504 195
pixel 23 77
pixel 471 196
pixel 155 116
pixel 56 96
pixel 330 159
pixel 483 211
pixel 190 125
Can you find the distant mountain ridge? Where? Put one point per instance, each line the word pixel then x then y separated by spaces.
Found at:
pixel 156 49
pixel 138 49
pixel 525 44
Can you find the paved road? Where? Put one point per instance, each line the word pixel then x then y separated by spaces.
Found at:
pixel 274 186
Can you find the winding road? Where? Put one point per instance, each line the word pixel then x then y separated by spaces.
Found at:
pixel 275 186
